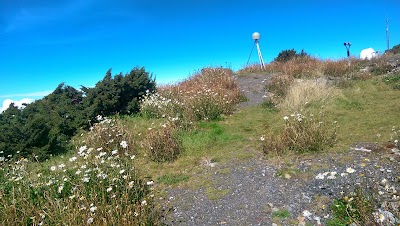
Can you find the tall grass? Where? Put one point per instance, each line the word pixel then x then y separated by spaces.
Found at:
pixel 306 92
pixel 97 185
pixel 300 134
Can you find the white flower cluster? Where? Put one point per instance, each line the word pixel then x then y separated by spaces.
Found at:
pixel 332 175
pixel 296 116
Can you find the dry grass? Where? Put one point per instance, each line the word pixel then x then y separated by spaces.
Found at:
pixel 204 96
pixel 309 67
pixel 302 93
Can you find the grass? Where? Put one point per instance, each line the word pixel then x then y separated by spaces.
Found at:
pixel 304 93
pixel 281 214
pixel 215 194
pixel 172 179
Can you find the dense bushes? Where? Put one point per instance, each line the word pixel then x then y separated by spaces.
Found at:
pixel 394 50
pixel 43 128
pixel 289 54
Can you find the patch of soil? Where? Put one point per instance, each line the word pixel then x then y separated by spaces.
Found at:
pixel 253 87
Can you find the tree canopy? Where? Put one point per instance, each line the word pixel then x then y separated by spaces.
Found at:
pixel 44 127
pixel 288 54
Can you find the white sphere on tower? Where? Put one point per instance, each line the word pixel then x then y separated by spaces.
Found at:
pixel 255 36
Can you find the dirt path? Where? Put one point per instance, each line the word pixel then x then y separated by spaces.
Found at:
pixel 259 192
pixel 253 87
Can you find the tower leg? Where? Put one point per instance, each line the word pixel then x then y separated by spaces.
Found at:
pixel 260 55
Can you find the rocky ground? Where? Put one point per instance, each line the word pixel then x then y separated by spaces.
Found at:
pixel 259 191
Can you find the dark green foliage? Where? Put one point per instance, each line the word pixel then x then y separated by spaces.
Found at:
pixel 395 49
pixel 118 95
pixel 393 80
pixel 44 128
pixel 288 54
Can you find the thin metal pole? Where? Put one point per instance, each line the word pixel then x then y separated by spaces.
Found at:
pixel 387 33
pixel 260 55
pixel 250 55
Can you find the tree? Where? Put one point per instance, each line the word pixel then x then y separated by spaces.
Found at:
pixel 289 54
pixel 118 95
pixel 44 127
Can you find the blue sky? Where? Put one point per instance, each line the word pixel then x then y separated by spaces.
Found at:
pixel 46 42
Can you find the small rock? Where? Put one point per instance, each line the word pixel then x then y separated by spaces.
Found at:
pixel 302 221
pixel 287 176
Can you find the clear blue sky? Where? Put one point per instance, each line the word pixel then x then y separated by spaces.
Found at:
pixel 46 42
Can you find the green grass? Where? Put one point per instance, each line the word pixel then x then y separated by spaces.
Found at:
pixel 172 179
pixel 215 194
pixel 281 214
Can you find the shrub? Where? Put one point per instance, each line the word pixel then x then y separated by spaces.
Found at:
pixel 393 80
pixel 289 54
pixel 109 135
pixel 394 50
pixel 339 68
pixel 300 134
pixel 380 66
pixel 162 143
pixel 280 84
pixel 298 67
pixel 153 105
pixel 278 87
pixel 204 96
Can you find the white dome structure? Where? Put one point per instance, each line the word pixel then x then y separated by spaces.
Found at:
pixel 255 36
pixel 367 54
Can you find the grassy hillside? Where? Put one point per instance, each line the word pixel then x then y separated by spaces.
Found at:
pixel 108 178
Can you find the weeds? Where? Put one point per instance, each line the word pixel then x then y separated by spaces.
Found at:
pixel 393 80
pixel 357 208
pixel 162 143
pixel 281 214
pixel 300 134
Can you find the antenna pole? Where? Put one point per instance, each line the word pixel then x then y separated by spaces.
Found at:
pixel 387 33
pixel 259 54
pixel 250 55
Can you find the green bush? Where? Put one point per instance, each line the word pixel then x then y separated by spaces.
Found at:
pixel 394 50
pixel 393 80
pixel 289 54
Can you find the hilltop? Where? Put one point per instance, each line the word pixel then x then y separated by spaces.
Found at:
pixel 300 142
